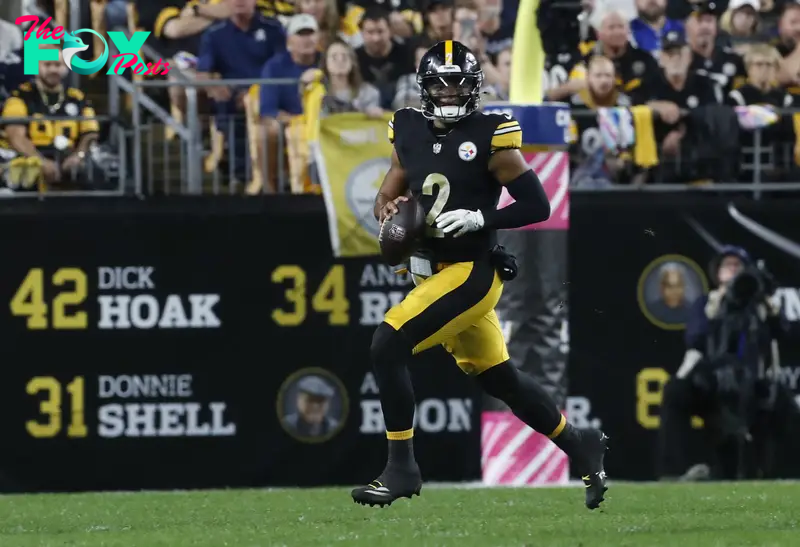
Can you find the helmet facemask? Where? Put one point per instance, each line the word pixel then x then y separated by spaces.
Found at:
pixel 450 97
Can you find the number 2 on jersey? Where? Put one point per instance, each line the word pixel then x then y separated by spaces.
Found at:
pixel 436 180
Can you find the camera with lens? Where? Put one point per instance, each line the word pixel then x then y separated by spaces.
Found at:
pixel 752 286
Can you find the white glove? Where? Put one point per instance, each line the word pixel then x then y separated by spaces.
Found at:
pixel 462 220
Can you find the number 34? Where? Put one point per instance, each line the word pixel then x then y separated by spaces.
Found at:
pixel 329 298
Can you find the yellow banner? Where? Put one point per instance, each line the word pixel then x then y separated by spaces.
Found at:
pixel 352 155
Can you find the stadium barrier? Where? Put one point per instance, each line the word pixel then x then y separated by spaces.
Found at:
pixel 626 338
pixel 166 344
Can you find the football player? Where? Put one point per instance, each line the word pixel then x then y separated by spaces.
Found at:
pixel 456 160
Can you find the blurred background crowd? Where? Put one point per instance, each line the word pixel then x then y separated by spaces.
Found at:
pixel 661 91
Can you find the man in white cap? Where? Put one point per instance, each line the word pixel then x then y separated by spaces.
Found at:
pixel 279 102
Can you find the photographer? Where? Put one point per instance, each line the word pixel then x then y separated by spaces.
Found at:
pixel 731 342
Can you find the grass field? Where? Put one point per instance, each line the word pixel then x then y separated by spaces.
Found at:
pixel 683 515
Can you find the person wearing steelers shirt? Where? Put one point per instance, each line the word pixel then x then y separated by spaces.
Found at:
pixel 50 150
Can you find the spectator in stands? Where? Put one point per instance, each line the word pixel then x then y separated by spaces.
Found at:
pixel 789 47
pixel 238 48
pixel 763 63
pixel 48 152
pixel 724 67
pixel 594 165
pixel 407 93
pixel 741 25
pixel 466 29
pixel 382 60
pixel 502 64
pixel 437 20
pixel 345 89
pixel 651 24
pixel 331 23
pixel 679 88
pixel 566 38
pixel 279 103
pixel 634 68
pixel 404 19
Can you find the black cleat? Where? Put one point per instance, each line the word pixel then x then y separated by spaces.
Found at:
pixel 593 448
pixel 393 484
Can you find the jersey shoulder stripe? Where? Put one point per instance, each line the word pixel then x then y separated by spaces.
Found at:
pixel 507 135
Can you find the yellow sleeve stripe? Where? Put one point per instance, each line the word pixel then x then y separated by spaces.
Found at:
pixel 15 108
pixel 163 17
pixel 502 129
pixel 512 139
pixel 507 124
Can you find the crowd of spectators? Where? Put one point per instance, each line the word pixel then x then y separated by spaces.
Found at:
pixel 687 79
pixel 653 84
pixel 365 54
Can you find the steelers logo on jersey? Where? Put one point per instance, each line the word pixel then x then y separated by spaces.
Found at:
pixel 467 151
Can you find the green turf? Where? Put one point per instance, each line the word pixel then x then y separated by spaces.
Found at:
pixel 682 515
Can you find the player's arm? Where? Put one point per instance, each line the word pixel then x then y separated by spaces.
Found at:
pixel 167 21
pixel 17 134
pixel 531 204
pixel 393 189
pixel 394 185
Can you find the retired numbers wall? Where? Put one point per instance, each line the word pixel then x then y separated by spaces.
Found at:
pixel 202 343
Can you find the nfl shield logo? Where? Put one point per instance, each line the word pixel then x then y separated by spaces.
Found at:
pixel 437 148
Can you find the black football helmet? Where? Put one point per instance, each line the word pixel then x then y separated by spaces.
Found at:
pixel 450 79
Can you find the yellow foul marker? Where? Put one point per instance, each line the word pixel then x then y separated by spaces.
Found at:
pixel 527 57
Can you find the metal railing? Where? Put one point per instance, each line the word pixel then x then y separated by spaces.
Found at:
pixel 228 160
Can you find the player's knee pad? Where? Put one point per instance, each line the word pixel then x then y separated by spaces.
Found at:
pixel 501 382
pixel 389 346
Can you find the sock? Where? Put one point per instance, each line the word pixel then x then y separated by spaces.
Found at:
pixel 530 403
pixel 401 452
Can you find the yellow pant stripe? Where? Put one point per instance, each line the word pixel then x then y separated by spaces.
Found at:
pixel 559 428
pixel 462 321
pixel 426 293
pixel 400 435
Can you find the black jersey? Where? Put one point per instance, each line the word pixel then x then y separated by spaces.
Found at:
pixel 749 94
pixel 725 68
pixel 51 137
pixel 696 91
pixel 451 171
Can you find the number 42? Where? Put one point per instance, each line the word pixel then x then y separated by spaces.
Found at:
pixel 29 300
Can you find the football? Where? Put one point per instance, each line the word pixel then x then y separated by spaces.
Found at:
pixel 399 236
